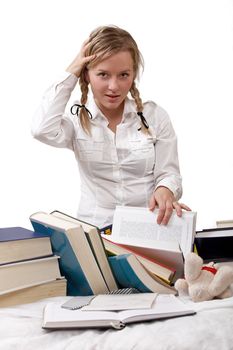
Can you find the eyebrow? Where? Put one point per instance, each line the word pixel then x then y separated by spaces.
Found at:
pixel 122 71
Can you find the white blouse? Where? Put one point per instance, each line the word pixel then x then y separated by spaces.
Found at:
pixel 122 168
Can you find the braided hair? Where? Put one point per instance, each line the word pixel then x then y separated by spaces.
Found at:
pixel 104 42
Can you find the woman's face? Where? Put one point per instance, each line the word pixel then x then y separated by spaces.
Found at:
pixel 111 80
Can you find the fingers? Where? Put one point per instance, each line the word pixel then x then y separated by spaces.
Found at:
pixel 178 208
pixel 81 60
pixel 184 206
pixel 164 199
pixel 152 203
pixel 88 58
pixel 84 47
pixel 165 212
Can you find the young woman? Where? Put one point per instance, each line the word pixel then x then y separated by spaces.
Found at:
pixel 126 150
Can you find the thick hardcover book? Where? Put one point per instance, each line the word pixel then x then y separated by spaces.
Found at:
pixel 18 243
pixel 49 289
pixel 215 244
pixel 130 273
pixel 28 273
pixel 137 229
pixel 77 262
pixel 224 223
pixel 96 243
pixel 165 306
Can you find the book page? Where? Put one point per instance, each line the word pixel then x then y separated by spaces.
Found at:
pixel 165 305
pixel 55 313
pixel 137 225
pixel 114 302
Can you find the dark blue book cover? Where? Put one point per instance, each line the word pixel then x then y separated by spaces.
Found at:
pixel 19 233
pixel 77 283
pixel 125 274
pixel 215 249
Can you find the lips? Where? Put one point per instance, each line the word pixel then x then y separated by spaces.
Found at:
pixel 113 96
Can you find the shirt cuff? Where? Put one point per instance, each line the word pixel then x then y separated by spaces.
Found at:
pixel 176 190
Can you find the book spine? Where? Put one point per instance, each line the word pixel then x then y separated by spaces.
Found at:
pixel 124 273
pixel 77 283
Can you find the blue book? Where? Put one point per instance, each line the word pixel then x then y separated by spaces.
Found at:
pixel 19 243
pixel 130 273
pixel 77 262
pixel 96 243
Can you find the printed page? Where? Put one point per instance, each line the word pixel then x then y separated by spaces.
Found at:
pixel 137 225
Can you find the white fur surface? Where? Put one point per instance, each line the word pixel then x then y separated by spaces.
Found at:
pixel 211 328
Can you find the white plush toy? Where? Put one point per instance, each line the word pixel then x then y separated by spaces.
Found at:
pixel 204 282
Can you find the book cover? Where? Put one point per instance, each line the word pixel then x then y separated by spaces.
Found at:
pixel 18 243
pixel 165 306
pixel 96 243
pixel 130 273
pixel 70 243
pixel 215 244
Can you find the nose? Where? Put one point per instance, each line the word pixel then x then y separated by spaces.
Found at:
pixel 113 84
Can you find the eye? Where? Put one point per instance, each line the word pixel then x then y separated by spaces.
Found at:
pixel 124 75
pixel 102 74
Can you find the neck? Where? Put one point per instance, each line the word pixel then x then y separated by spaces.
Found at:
pixel 112 114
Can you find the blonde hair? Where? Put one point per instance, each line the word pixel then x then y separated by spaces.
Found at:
pixel 104 42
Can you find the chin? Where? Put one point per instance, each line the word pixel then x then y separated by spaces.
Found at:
pixel 113 104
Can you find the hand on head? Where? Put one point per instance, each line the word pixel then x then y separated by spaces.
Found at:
pixel 164 199
pixel 80 60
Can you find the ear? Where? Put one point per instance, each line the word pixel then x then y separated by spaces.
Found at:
pixel 86 75
pixel 192 266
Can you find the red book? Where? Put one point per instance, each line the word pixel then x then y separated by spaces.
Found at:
pixel 152 266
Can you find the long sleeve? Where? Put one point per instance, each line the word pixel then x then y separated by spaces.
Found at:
pixel 50 124
pixel 167 172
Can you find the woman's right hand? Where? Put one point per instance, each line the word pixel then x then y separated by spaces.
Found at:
pixel 80 60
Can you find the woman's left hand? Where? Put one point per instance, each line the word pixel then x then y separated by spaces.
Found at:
pixel 164 199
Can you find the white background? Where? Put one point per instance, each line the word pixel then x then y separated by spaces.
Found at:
pixel 188 50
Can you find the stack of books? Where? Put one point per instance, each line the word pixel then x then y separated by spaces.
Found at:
pixel 29 270
pixel 154 267
pixel 85 262
pixel 215 244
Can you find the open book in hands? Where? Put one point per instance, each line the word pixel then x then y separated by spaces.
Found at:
pixel 163 306
pixel 137 228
